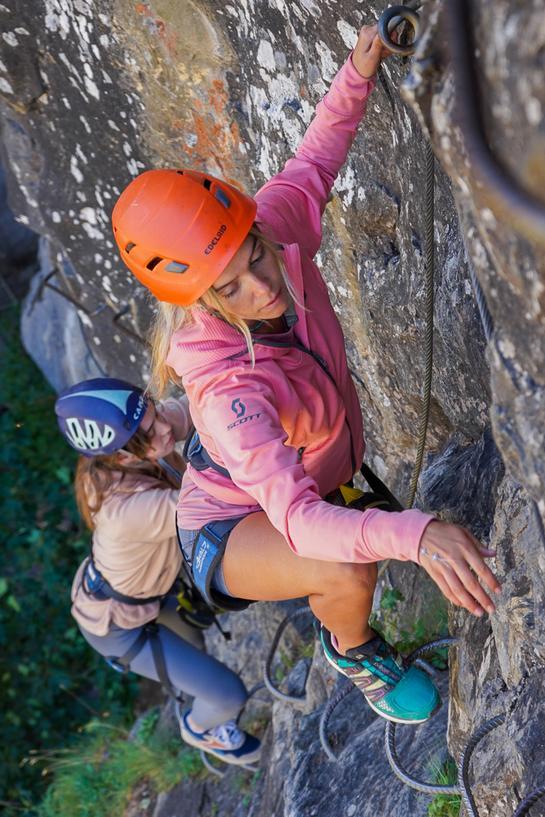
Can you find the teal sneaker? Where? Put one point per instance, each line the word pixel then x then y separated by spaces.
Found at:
pixel 397 694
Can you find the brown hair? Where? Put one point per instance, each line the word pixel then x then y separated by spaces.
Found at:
pixel 170 317
pixel 97 477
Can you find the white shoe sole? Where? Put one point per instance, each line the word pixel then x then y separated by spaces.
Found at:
pixel 244 760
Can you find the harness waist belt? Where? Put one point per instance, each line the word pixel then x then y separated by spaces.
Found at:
pixel 94 584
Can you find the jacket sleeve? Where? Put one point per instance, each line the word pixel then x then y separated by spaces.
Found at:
pixel 292 202
pixel 176 411
pixel 141 516
pixel 247 431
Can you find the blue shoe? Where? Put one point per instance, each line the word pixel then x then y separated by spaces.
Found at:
pixel 226 742
pixel 397 694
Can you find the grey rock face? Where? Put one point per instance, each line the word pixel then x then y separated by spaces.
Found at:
pixel 53 331
pixel 93 93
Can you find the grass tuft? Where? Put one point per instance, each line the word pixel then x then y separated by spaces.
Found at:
pixel 97 777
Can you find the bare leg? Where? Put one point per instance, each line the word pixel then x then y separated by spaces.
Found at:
pixel 258 564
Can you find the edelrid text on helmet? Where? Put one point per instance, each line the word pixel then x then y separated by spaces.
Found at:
pixel 215 240
pixel 177 230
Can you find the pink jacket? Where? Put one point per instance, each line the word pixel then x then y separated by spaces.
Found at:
pixel 289 431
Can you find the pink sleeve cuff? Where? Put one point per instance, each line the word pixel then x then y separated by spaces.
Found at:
pixel 393 535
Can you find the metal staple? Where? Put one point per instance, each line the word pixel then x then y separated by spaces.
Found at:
pixel 269 683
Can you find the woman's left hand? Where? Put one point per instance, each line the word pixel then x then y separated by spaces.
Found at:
pixel 369 52
pixel 454 559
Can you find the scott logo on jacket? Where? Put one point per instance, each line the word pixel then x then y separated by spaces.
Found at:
pixel 239 408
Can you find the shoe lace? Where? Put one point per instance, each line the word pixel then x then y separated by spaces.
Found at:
pixel 229 734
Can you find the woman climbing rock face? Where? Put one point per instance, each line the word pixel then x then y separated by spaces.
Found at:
pixel 247 327
pixel 127 486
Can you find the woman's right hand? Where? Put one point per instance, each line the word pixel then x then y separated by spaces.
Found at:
pixel 369 52
pixel 453 558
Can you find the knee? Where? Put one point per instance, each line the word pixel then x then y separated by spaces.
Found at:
pixel 355 579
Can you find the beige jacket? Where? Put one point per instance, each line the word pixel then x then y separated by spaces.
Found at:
pixel 134 545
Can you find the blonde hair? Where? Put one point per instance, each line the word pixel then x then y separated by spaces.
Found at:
pixel 170 317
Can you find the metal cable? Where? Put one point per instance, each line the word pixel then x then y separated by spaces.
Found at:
pixel 345 689
pixel 211 768
pixel 404 776
pixel 221 772
pixel 448 641
pixel 268 682
pixel 465 757
pixel 482 306
pixel 389 736
pixel 428 342
pixel 529 801
pixel 348 686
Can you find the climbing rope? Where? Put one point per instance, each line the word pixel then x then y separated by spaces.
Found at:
pixel 428 342
pixel 269 683
pixel 463 771
pixel 388 21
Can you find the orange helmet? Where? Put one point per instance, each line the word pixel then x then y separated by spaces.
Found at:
pixel 178 229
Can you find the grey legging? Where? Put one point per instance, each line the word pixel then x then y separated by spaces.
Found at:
pixel 218 693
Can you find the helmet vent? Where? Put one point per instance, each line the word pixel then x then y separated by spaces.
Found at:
pixel 223 198
pixel 175 266
pixel 207 183
pixel 130 246
pixel 153 263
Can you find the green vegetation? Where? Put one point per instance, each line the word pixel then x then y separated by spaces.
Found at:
pixel 445 805
pixel 286 661
pixel 50 679
pixel 97 777
pixel 406 635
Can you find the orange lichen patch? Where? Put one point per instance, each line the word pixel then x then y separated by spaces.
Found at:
pixel 235 133
pixel 219 96
pixel 208 120
pixel 165 32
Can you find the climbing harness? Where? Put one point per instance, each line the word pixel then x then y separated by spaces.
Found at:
pixel 96 585
pixel 206 554
pixel 149 633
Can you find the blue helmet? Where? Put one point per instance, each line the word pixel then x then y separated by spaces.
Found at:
pixel 99 416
